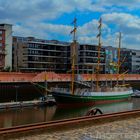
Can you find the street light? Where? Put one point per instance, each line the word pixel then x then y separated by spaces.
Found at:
pixel 16 92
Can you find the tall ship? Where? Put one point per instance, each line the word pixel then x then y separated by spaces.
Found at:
pixel 86 95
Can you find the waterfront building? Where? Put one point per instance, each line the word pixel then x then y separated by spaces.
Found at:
pixel 111 59
pixel 126 60
pixel 130 59
pixel 5 46
pixel 88 58
pixel 36 55
pixel 31 54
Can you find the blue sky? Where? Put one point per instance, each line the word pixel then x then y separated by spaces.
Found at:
pixel 51 19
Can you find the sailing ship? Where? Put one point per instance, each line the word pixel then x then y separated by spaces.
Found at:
pixel 94 95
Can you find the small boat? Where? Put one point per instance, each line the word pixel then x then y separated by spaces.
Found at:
pixel 136 94
pixel 94 95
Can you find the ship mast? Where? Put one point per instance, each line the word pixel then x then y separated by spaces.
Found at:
pixel 99 49
pixel 73 54
pixel 119 49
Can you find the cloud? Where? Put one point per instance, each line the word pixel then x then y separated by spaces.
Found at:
pixel 42 30
pixel 36 10
pixel 131 4
pixel 113 5
pixel 114 23
pixel 39 10
pixel 35 18
pixel 88 40
pixel 126 23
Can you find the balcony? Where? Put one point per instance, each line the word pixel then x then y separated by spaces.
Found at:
pixel 2 52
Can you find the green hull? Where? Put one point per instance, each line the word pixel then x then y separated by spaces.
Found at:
pixel 62 98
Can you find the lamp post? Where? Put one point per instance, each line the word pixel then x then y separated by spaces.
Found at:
pixel 16 87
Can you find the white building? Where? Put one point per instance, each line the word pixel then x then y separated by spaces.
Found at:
pixel 8 44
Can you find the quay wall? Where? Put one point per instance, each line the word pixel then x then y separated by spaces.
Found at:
pixel 19 92
pixel 20 86
pixel 53 77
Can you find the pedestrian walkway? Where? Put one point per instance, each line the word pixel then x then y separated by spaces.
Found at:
pixel 8 105
pixel 119 130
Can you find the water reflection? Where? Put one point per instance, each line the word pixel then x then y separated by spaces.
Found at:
pixel 136 103
pixel 106 108
pixel 23 116
pixel 116 107
pixel 70 113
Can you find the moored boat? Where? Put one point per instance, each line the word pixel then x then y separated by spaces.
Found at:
pixel 136 94
pixel 95 94
pixel 91 97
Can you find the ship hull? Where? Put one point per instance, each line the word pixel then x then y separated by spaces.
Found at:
pixel 69 100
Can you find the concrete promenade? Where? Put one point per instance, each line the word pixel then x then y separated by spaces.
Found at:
pixel 128 129
pixel 9 105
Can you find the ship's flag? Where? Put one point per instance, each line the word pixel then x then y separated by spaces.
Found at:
pixel 74 30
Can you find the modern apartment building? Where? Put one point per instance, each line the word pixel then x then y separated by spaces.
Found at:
pixel 31 54
pixel 88 58
pixel 135 61
pixel 5 46
pixel 36 55
pixel 130 59
pixel 2 48
pixel 111 59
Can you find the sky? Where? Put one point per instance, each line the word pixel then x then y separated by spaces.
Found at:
pixel 51 19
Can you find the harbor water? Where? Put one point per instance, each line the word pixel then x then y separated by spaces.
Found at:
pixel 22 116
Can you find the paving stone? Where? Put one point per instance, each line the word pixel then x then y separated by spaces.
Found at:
pixel 118 130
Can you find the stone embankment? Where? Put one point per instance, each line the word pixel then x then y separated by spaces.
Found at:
pixel 118 130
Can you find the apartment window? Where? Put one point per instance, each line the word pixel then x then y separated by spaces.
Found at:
pixel 0 44
pixel 24 39
pixel 36 58
pixel 33 52
pixel 19 38
pixel 133 53
pixel 0 32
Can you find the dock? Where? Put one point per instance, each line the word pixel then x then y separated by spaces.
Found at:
pixel 10 105
pixel 118 130
pixel 18 77
pixel 120 125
